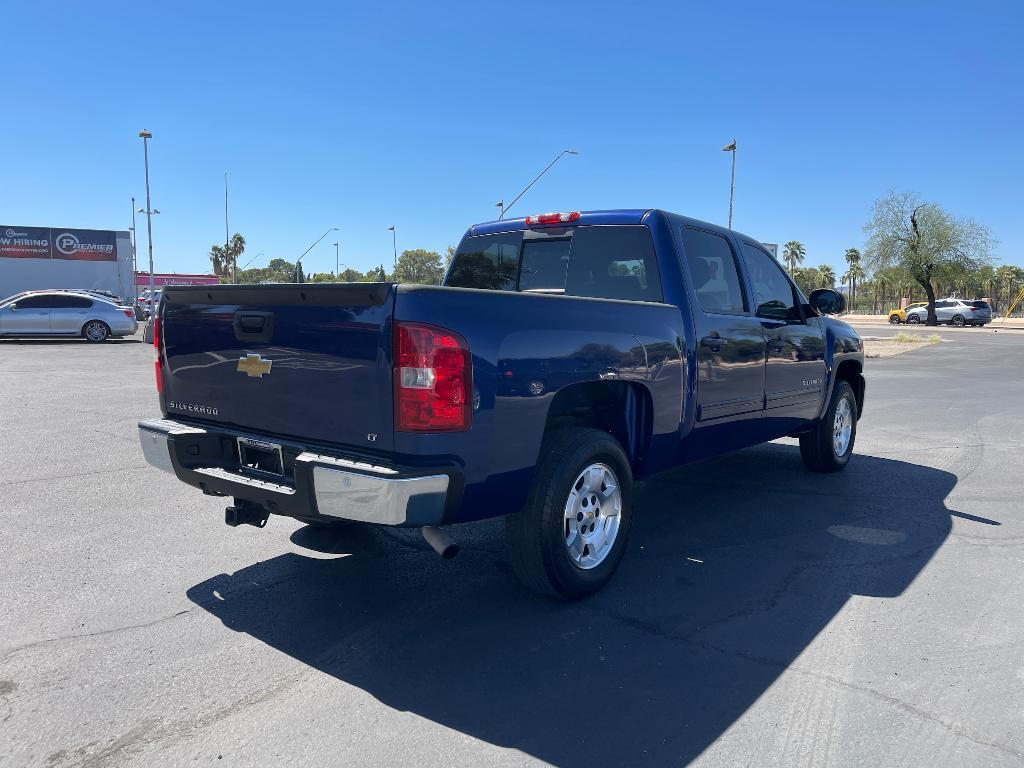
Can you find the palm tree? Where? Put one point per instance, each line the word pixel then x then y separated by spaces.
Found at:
pixel 793 254
pixel 826 276
pixel 223 259
pixel 853 274
pixel 852 257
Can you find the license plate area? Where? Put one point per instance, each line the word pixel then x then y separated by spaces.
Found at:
pixel 260 457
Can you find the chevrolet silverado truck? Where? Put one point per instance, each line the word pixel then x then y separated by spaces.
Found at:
pixel 564 356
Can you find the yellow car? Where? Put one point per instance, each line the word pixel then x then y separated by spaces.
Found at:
pixel 898 316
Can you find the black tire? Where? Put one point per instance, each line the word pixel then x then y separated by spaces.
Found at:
pixel 536 534
pixel 958 321
pixel 894 319
pixel 817 447
pixel 96 331
pixel 913 319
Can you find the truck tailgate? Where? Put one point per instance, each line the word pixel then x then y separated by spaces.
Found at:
pixel 302 360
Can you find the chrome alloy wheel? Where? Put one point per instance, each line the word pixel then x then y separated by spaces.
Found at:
pixel 842 428
pixel 592 515
pixel 94 331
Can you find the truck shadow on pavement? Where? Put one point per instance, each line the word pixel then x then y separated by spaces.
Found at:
pixel 734 566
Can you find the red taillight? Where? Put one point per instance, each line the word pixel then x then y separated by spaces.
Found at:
pixel 552 218
pixel 433 374
pixel 129 313
pixel 156 362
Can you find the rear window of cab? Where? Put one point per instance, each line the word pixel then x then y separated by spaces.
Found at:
pixel 601 261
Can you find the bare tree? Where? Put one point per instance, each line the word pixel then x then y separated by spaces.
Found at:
pixel 924 239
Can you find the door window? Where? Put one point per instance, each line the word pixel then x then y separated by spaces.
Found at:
pixel 70 302
pixel 774 297
pixel 36 302
pixel 713 271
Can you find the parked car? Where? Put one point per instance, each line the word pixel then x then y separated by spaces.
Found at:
pixel 564 356
pixel 898 316
pixel 64 313
pixel 954 312
pixel 147 301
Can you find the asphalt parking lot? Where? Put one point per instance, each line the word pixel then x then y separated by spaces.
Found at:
pixel 763 615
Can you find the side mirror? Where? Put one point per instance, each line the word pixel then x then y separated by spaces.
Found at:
pixel 827 301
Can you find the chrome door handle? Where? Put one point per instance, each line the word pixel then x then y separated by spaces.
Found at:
pixel 715 342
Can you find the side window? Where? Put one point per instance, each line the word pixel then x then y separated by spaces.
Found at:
pixel 36 302
pixel 70 302
pixel 486 261
pixel 713 270
pixel 613 262
pixel 774 297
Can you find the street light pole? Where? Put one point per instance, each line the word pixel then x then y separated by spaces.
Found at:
pixel 731 147
pixel 504 208
pixel 337 261
pixel 227 237
pixel 394 245
pixel 135 263
pixel 298 260
pixel 146 136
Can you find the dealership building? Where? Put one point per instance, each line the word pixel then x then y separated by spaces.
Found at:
pixel 62 257
pixel 34 258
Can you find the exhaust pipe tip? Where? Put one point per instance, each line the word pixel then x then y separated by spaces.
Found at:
pixel 440 541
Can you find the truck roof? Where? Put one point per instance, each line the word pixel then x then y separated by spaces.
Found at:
pixel 613 216
pixel 610 216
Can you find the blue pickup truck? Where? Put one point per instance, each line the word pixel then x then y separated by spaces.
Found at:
pixel 566 355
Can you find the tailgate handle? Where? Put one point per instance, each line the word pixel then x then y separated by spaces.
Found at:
pixel 254 326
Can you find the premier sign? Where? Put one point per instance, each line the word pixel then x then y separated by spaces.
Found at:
pixel 47 243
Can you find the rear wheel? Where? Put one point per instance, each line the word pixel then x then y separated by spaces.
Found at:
pixel 958 321
pixel 894 319
pixel 828 447
pixel 96 331
pixel 570 536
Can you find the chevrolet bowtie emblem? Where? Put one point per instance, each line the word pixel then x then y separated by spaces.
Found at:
pixel 254 366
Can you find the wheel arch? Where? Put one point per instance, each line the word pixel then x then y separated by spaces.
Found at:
pixel 624 409
pixel 852 372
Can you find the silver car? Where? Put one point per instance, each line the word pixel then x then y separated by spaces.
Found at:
pixel 955 312
pixel 62 313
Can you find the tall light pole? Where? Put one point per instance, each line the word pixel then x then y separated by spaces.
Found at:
pixel 337 261
pixel 227 237
pixel 394 244
pixel 731 147
pixel 325 234
pixel 504 208
pixel 135 264
pixel 146 136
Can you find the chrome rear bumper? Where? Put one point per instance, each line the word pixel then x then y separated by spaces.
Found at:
pixel 318 485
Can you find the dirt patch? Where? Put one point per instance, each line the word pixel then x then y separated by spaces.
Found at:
pixel 876 346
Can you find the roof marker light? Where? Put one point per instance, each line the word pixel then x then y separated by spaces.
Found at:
pixel 552 218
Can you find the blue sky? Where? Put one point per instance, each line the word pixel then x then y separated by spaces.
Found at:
pixel 425 114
